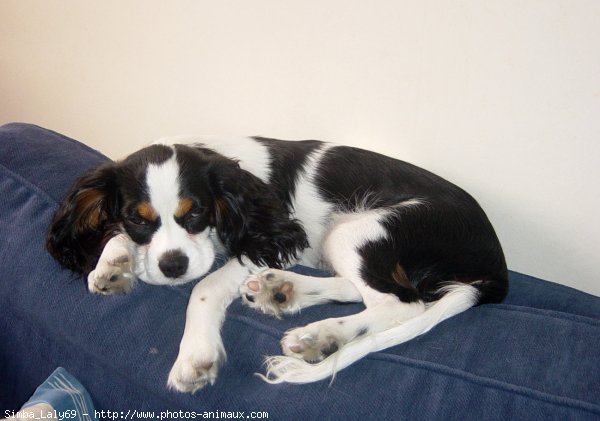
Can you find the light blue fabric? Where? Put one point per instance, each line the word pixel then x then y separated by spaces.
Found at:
pixel 66 395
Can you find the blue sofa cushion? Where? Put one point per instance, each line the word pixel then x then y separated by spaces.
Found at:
pixel 536 356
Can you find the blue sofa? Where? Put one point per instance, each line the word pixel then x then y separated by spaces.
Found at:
pixel 536 356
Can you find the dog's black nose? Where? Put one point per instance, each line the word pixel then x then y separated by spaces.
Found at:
pixel 173 263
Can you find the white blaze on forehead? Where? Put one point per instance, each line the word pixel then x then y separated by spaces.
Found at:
pixel 163 187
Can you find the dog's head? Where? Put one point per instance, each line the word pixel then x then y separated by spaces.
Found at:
pixel 176 204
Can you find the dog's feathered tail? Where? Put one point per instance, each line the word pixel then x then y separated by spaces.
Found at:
pixel 457 298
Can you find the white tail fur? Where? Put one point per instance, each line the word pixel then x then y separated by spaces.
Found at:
pixel 457 298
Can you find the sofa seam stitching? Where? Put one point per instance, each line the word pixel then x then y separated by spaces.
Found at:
pixel 541 312
pixel 29 185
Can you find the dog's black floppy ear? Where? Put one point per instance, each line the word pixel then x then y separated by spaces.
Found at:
pixel 85 220
pixel 250 219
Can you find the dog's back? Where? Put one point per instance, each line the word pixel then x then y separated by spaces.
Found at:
pixel 436 232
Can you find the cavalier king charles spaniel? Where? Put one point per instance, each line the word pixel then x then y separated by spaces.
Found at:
pixel 413 247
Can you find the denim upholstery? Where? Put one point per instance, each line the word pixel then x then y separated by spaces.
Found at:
pixel 536 356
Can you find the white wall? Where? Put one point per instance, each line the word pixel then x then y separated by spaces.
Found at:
pixel 501 97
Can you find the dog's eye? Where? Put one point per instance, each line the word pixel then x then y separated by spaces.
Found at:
pixel 136 220
pixel 196 213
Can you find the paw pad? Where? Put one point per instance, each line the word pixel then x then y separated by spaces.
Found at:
pixel 269 292
pixel 310 347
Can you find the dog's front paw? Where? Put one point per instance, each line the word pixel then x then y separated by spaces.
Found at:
pixel 195 368
pixel 269 292
pixel 112 276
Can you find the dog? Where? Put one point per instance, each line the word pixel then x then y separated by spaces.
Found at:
pixel 411 246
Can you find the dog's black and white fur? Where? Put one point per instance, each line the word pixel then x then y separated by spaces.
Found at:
pixel 414 248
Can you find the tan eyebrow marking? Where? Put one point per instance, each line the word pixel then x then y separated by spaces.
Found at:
pixel 146 211
pixel 184 206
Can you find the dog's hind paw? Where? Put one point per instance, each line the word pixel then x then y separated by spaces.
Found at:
pixel 310 343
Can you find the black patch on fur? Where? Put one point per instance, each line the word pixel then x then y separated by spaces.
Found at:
pixel 363 331
pixel 435 243
pixel 138 161
pixel 250 219
pixel 287 162
pixel 349 176
pixel 194 181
